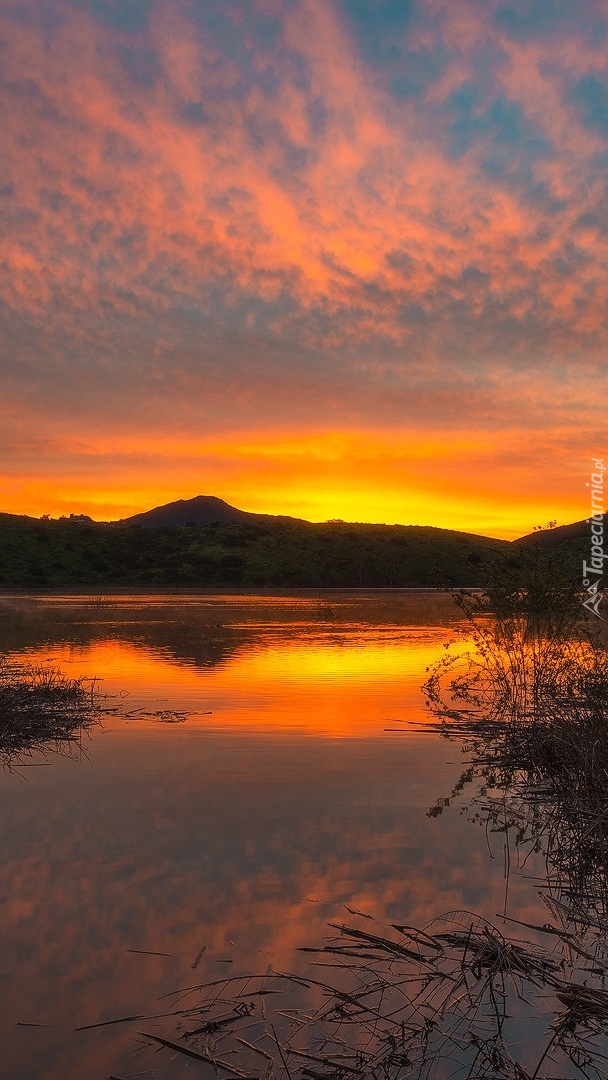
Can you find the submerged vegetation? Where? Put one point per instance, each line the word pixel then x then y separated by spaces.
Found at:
pixel 396 1002
pixel 41 709
pixel 531 644
pixel 529 702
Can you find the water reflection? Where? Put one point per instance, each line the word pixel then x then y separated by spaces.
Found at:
pixel 322 685
pixel 244 831
pixel 326 665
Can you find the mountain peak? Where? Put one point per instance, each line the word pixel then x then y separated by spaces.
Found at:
pixel 201 510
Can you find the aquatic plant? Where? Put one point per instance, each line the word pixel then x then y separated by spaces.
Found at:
pixel 529 643
pixel 401 1003
pixel 529 701
pixel 41 709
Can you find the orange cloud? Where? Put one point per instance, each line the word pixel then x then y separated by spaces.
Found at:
pixel 146 205
pixel 238 225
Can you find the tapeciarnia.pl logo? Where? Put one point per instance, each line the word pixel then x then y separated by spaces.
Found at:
pixel 593 571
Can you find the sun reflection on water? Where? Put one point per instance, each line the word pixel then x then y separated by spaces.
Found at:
pixel 338 684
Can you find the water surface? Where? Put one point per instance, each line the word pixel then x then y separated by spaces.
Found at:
pixel 298 783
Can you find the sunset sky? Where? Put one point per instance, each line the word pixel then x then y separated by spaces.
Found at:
pixel 329 258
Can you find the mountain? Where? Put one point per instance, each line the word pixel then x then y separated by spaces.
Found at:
pixel 204 543
pixel 202 510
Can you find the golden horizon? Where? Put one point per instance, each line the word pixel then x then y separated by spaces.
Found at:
pixel 105 511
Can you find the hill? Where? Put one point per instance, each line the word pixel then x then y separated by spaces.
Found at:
pixel 202 510
pixel 274 553
pixel 575 537
pixel 206 543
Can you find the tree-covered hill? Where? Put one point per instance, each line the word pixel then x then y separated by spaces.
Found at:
pixel 281 553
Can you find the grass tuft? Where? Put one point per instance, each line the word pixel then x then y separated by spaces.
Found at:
pixel 40 708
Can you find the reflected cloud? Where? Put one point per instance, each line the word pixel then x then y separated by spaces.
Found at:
pixel 244 832
pixel 162 846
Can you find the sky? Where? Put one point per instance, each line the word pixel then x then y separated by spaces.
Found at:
pixel 328 258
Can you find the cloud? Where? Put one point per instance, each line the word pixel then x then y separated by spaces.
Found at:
pixel 288 210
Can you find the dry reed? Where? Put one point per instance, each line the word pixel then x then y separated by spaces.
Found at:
pixel 41 709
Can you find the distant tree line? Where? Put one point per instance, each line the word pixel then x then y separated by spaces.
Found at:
pixel 42 553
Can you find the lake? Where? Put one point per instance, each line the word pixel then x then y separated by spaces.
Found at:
pixel 262 767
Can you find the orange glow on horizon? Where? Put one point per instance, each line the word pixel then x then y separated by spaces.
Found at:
pixel 271 234
pixel 471 483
